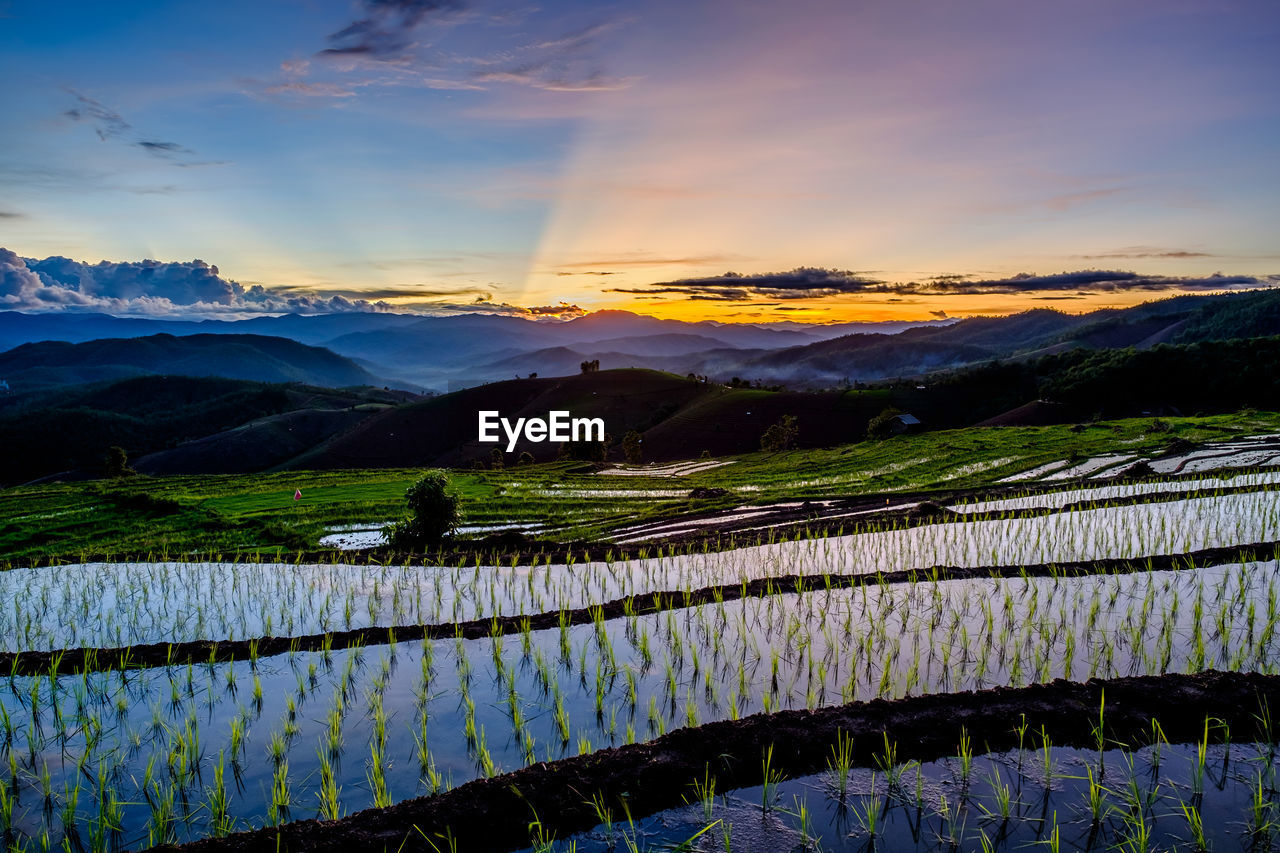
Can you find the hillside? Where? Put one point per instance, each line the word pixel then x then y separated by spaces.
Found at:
pixel 1031 334
pixel 250 357
pixel 70 429
pixel 678 417
pixel 442 430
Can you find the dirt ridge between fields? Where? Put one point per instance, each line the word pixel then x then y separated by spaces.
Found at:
pixel 493 815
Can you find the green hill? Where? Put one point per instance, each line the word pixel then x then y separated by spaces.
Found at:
pixel 253 357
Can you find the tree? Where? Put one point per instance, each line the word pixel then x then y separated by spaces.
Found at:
pixel 780 436
pixel 495 459
pixel 526 458
pixel 586 451
pixel 590 366
pixel 433 509
pixel 116 463
pixel 632 448
pixel 881 426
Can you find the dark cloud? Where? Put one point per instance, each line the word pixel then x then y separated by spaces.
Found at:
pixel 407 291
pixel 9 214
pixel 109 124
pixel 387 30
pixel 941 315
pixel 401 43
pixel 799 283
pixel 564 309
pixel 1087 281
pixel 817 283
pixel 106 122
pixel 165 150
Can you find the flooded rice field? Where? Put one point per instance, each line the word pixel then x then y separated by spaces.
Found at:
pixel 110 605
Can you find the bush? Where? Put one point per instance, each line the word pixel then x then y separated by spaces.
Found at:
pixel 526 458
pixel 881 426
pixel 433 512
pixel 116 463
pixel 632 448
pixel 780 436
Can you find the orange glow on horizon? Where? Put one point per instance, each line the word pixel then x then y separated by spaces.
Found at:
pixel 863 310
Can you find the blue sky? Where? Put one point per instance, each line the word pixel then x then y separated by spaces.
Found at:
pixel 510 154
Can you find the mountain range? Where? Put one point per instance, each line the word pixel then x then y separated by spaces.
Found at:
pixel 230 399
pixel 448 353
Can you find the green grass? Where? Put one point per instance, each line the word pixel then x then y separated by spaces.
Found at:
pixel 257 512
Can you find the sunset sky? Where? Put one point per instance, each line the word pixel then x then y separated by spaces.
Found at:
pixel 847 160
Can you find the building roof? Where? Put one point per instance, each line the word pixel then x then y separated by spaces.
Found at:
pixel 907 419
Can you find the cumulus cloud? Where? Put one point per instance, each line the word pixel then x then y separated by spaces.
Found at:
pixel 816 283
pixel 198 289
pixel 150 288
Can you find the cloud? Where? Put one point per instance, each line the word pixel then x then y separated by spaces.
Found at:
pixel 542 76
pixel 10 214
pixel 406 292
pixel 404 43
pixel 198 289
pixel 1130 252
pixel 1083 281
pixel 149 287
pixel 106 122
pixel 311 90
pixel 563 310
pixel 817 283
pixel 387 30
pixel 799 283
pixel 645 261
pixel 109 124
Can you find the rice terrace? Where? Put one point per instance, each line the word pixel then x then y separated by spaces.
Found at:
pixel 979 638
pixel 482 426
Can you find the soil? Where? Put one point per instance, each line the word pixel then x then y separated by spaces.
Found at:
pixel 169 654
pixel 494 814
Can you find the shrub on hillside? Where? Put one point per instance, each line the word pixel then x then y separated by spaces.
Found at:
pixel 433 513
pixel 780 436
pixel 881 426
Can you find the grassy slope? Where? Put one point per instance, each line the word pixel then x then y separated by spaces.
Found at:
pixel 248 512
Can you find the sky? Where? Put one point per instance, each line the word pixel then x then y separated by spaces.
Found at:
pixel 703 159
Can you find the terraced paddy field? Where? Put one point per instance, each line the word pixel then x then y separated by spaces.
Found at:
pixel 1088 663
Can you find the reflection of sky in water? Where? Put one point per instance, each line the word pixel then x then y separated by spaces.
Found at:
pixel 122 604
pixel 683 667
